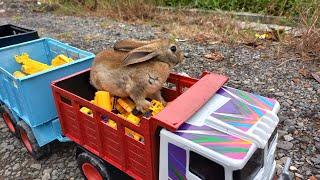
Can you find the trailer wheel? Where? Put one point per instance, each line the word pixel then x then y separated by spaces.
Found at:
pixel 30 142
pixel 8 118
pixel 91 167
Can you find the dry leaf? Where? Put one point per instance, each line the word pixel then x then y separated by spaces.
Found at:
pixel 216 56
pixel 316 76
pixel 296 80
pixel 253 44
pixel 201 38
pixel 312 178
pixel 304 72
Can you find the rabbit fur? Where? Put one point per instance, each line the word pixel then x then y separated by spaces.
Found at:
pixel 136 69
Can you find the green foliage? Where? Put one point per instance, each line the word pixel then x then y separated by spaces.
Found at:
pixel 271 7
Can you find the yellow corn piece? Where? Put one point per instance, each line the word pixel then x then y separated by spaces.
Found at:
pixel 103 100
pixel 127 104
pixel 18 74
pixel 120 109
pixel 60 59
pixel 134 135
pixel 86 111
pixel 156 107
pixel 112 124
pixel 133 119
pixel 30 66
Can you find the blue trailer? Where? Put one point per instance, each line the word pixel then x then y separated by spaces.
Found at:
pixel 27 104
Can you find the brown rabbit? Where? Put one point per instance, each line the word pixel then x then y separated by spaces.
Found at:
pixel 135 68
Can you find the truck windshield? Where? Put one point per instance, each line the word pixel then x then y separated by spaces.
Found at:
pixel 252 167
pixel 205 168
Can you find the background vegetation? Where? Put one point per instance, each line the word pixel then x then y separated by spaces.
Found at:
pixel 302 14
pixel 270 7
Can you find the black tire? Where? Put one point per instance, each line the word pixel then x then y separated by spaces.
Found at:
pixel 30 142
pixel 92 168
pixel 9 120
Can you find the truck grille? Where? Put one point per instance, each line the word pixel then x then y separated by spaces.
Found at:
pixel 252 167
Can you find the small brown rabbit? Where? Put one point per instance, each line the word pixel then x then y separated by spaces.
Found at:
pixel 135 68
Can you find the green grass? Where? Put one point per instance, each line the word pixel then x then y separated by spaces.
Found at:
pixel 270 7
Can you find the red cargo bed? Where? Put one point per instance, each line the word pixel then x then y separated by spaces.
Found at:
pixel 137 159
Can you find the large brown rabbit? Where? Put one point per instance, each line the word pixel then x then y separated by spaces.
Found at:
pixel 135 68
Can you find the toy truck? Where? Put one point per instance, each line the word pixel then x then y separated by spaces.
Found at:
pixel 11 34
pixel 207 131
pixel 26 102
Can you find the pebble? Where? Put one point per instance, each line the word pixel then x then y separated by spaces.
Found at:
pixel 292 168
pixel 279 93
pixel 284 145
pixel 36 166
pixel 288 137
pixel 15 167
pixel 46 176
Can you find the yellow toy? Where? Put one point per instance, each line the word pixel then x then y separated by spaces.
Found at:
pixel 131 118
pixel 103 100
pixel 60 60
pixel 120 109
pixel 19 74
pixel 112 124
pixel 30 66
pixel 156 107
pixel 134 135
pixel 127 104
pixel 86 111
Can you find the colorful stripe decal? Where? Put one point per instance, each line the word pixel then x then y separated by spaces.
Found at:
pixel 177 159
pixel 243 109
pixel 217 141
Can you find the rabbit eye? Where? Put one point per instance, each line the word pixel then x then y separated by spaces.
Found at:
pixel 173 48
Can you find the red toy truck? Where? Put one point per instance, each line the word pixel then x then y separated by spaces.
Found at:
pixel 208 131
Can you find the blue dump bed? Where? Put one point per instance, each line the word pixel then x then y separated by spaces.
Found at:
pixel 30 97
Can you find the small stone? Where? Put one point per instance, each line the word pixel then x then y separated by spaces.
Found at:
pixel 298 175
pixel 288 122
pixel 15 167
pixel 281 133
pixel 2 10
pixel 288 137
pixel 46 176
pixel 279 93
pixel 47 171
pixel 7 173
pixel 36 166
pixel 300 124
pixel 292 168
pixel 316 160
pixel 317 145
pixel 54 172
pixel 285 145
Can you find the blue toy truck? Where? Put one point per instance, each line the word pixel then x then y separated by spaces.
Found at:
pixel 27 104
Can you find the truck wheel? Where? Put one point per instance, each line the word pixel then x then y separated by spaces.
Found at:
pixel 8 118
pixel 91 167
pixel 30 142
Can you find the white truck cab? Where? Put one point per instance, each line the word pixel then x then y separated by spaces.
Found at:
pixel 233 136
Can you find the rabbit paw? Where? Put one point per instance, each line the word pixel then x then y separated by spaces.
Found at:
pixel 143 106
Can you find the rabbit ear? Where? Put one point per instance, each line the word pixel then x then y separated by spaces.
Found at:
pixel 130 44
pixel 138 57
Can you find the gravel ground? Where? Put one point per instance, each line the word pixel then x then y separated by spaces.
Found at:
pixel 259 71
